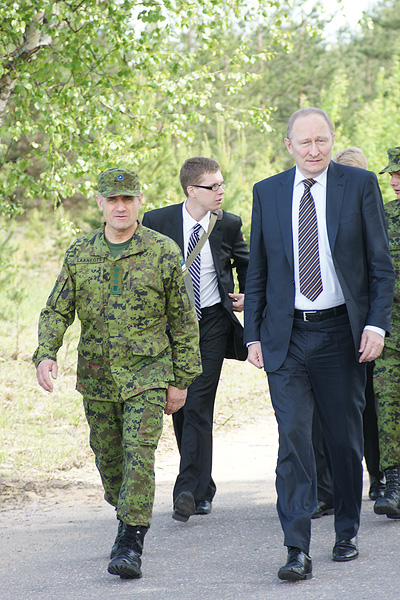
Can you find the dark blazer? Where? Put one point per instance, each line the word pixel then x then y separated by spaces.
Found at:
pixel 358 240
pixel 229 250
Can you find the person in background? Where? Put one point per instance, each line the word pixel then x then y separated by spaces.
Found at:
pixel 353 157
pixel 319 292
pixel 124 282
pixel 221 334
pixel 387 368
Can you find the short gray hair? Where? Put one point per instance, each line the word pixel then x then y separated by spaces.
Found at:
pixel 304 112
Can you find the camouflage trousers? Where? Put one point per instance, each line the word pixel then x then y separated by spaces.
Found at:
pixel 387 391
pixel 124 438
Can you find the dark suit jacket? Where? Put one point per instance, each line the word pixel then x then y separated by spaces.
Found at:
pixel 228 249
pixel 358 240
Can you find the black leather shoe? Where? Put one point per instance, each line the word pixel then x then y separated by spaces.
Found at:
pixel 298 566
pixel 345 550
pixel 203 508
pixel 322 509
pixel 376 488
pixel 184 507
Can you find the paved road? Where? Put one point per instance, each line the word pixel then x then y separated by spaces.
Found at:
pixel 52 552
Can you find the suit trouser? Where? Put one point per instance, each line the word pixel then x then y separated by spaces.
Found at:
pixel 124 438
pixel 193 423
pixel 371 443
pixel 324 477
pixel 320 370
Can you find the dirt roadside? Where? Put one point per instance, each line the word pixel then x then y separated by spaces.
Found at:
pixel 240 414
pixel 82 485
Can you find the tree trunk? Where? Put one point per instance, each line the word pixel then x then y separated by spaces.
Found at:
pixel 33 40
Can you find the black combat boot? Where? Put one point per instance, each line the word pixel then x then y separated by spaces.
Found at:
pixel 127 551
pixel 389 504
pixel 117 539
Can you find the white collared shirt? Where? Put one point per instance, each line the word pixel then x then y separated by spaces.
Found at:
pixel 332 294
pixel 209 293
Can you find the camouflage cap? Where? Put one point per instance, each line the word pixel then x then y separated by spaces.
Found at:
pixel 394 161
pixel 119 182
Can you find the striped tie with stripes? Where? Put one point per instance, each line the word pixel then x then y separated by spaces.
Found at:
pixel 309 267
pixel 194 268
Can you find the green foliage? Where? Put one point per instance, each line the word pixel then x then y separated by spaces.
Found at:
pixel 92 83
pixel 97 83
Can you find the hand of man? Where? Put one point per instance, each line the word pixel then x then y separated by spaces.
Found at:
pixel 176 398
pixel 238 302
pixel 254 355
pixel 371 345
pixel 43 373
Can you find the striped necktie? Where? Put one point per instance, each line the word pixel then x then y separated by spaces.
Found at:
pixel 194 268
pixel 309 267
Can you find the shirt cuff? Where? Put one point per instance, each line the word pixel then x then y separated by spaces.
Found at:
pixel 381 332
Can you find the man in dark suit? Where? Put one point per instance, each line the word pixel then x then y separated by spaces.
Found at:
pixel 221 334
pixel 318 299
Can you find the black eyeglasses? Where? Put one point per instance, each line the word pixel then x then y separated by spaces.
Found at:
pixel 214 187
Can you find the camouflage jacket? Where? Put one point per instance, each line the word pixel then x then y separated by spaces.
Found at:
pixel 123 305
pixel 392 212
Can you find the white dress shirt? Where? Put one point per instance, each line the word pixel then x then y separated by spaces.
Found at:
pixel 331 294
pixel 209 293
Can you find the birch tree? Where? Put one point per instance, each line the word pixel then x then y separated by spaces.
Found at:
pixel 89 83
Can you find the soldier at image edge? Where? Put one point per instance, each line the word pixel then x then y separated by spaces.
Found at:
pixel 387 367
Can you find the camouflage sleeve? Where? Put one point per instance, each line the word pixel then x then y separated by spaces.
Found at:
pixel 56 317
pixel 183 329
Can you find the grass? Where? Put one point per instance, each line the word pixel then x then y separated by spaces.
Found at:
pixel 44 437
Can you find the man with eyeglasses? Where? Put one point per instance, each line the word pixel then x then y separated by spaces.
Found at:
pixel 220 330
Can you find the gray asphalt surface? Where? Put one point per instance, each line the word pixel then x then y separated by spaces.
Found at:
pixel 60 551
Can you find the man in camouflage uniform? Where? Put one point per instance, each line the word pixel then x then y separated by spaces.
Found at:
pixel 125 283
pixel 387 368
